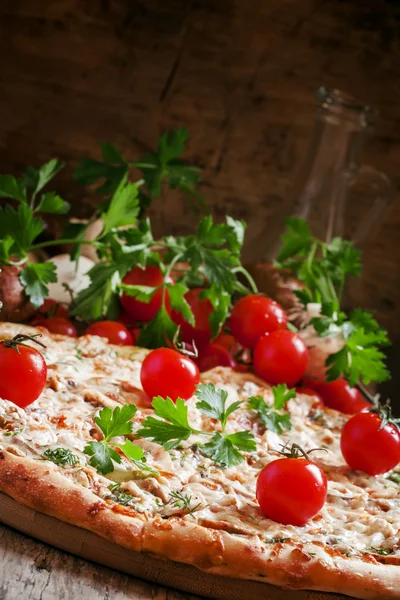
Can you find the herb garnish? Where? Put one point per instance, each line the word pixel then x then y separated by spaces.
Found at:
pixel 119 495
pixel 381 551
pixel 114 423
pixel 323 268
pixel 172 426
pixel 395 477
pixel 61 456
pixel 184 502
pixel 272 417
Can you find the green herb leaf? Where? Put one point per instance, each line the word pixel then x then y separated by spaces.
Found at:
pixel 157 333
pixel 100 298
pixel 52 203
pixel 296 241
pixel 21 225
pixel 177 301
pixel 110 154
pixel 136 456
pixel 212 403
pixel 123 208
pixel 282 395
pixel 143 293
pixel 173 429
pixel 102 457
pixel 116 422
pixel 5 249
pixel 395 477
pixel 36 178
pixel 34 278
pixel 121 496
pixel 10 187
pixel 225 449
pixel 61 456
pixel 273 420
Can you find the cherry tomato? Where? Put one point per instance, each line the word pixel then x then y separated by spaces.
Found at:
pixel 23 374
pixel 126 320
pixel 281 357
pixel 341 396
pixel 59 325
pixel 200 333
pixel 116 333
pixel 367 446
pixel 165 372
pixel 228 342
pixel 254 315
pixel 310 392
pixel 291 490
pixel 52 308
pixel 151 276
pixel 214 355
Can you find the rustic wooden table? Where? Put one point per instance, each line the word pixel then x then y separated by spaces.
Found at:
pixel 30 570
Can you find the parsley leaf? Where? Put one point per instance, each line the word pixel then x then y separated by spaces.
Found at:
pixel 52 203
pixel 123 208
pixel 225 449
pixel 173 429
pixel 34 278
pixel 157 333
pixel 113 423
pixel 10 187
pixel 36 178
pixel 100 297
pixel 21 225
pixel 177 301
pixel 212 403
pixel 296 241
pixel 272 419
pixel 394 476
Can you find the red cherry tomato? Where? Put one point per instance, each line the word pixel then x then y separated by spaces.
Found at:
pixel 151 276
pixel 280 357
pixel 254 315
pixel 291 490
pixel 52 308
pixel 310 392
pixel 126 320
pixel 165 372
pixel 116 333
pixel 367 446
pixel 23 374
pixel 214 355
pixel 228 342
pixel 59 325
pixel 200 333
pixel 341 396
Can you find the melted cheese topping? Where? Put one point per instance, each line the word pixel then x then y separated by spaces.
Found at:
pixel 361 512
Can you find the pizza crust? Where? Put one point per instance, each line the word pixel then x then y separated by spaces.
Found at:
pixel 45 489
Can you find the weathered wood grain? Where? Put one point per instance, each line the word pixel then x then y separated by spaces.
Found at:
pixel 240 74
pixel 30 570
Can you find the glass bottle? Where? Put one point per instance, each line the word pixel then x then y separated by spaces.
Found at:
pixel 334 192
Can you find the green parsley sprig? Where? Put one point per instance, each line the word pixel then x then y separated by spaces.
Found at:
pixel 20 226
pixel 113 423
pixel 172 426
pixel 324 268
pixel 162 166
pixel 272 417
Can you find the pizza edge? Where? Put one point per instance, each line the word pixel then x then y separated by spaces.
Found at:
pixel 214 551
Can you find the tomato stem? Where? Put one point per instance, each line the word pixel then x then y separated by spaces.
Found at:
pixel 19 339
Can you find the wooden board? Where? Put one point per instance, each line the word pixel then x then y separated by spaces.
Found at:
pixel 184 577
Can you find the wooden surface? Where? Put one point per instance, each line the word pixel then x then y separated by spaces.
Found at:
pixel 240 74
pixel 30 570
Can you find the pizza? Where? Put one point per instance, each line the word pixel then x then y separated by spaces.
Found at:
pixel 184 506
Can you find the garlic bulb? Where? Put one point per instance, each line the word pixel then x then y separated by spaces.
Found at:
pixel 72 273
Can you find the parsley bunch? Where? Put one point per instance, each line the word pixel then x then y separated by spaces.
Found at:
pixel 113 423
pixel 172 426
pixel 324 268
pixel 20 226
pixel 212 256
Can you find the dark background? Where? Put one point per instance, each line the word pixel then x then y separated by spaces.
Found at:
pixel 239 74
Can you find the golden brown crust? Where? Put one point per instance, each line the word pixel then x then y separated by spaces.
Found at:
pixel 43 488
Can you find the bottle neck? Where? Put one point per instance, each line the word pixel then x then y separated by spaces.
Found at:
pixel 333 156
